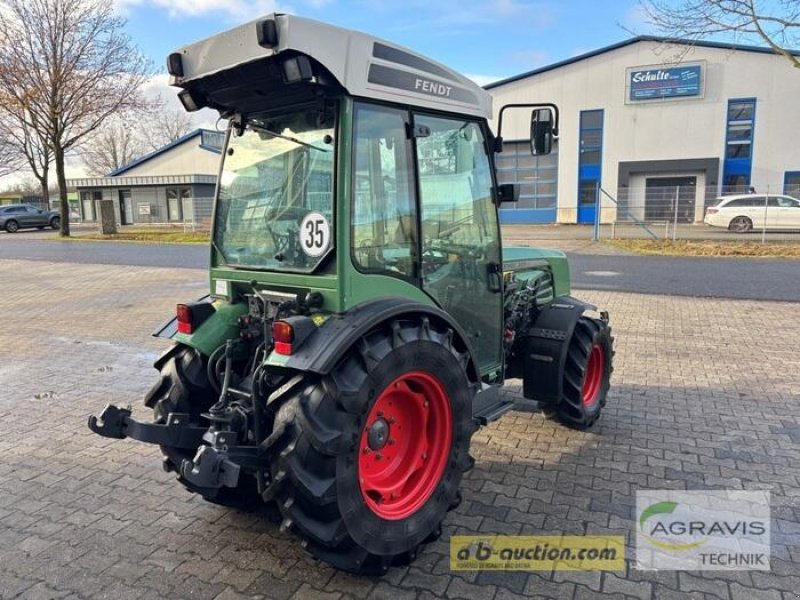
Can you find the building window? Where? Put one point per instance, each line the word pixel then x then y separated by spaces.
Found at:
pixel 590 159
pixel 537 176
pixel 791 184
pixel 213 140
pixel 739 145
pixel 88 203
pixel 176 201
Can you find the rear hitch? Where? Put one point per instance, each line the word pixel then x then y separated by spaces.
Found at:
pixel 210 469
pixel 117 423
pixel 111 423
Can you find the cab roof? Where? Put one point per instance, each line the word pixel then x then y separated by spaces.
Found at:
pixel 222 70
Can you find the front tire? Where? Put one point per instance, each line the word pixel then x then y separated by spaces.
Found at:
pixel 369 459
pixel 587 375
pixel 183 387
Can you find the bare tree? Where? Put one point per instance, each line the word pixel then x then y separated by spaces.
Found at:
pixel 10 158
pixel 116 144
pixel 777 23
pixel 165 126
pixel 27 146
pixel 65 67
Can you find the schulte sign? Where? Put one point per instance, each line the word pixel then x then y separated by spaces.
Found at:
pixel 653 84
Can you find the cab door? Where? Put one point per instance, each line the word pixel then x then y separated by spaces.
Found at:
pixel 460 233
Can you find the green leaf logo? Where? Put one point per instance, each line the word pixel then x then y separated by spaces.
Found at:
pixel 659 508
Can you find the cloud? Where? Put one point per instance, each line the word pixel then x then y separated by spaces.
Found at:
pixel 457 16
pixel 158 88
pixel 483 79
pixel 636 21
pixel 237 10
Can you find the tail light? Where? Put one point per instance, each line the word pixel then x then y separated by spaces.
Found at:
pixel 283 336
pixel 185 322
pixel 712 211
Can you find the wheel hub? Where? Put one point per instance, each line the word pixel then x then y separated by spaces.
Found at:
pixel 378 434
pixel 405 445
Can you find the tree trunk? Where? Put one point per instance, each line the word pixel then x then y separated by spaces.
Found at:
pixel 62 191
pixel 45 188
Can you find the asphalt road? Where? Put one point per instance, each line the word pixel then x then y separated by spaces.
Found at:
pixel 704 277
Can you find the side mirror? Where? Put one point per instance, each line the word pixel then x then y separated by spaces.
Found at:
pixel 507 192
pixel 541 131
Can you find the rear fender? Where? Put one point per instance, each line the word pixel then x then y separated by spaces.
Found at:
pixel 219 327
pixel 545 348
pixel 323 349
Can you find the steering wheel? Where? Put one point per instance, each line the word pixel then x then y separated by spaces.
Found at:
pixel 281 241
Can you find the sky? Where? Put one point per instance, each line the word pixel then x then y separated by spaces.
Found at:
pixel 486 40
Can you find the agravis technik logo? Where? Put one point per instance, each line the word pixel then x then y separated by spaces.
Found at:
pixel 702 530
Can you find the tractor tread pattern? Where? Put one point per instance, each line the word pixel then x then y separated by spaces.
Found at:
pixel 315 419
pixel 183 387
pixel 570 410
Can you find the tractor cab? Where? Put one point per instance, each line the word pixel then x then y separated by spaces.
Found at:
pixel 355 169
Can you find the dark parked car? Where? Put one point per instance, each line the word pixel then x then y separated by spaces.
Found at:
pixel 19 216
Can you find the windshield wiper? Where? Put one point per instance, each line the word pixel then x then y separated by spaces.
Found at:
pixel 288 137
pixel 218 249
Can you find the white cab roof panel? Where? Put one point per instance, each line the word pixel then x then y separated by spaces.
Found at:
pixel 363 65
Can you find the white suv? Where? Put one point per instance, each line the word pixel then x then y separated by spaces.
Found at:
pixel 754 211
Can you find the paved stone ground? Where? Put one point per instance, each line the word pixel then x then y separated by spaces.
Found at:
pixel 706 396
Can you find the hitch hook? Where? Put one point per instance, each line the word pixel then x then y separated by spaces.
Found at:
pixel 111 423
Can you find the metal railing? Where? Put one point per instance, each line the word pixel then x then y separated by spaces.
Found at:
pixel 687 212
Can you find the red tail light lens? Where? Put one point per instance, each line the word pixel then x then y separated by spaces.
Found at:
pixel 184 314
pixel 283 336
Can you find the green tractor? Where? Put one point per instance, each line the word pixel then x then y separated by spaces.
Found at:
pixel 363 313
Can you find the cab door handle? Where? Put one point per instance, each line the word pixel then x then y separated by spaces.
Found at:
pixel 494 277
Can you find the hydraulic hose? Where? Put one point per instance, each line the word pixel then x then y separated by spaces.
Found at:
pixel 211 368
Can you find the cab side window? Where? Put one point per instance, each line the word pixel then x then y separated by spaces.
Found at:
pixel 384 208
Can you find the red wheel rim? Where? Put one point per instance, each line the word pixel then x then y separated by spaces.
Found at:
pixel 405 445
pixel 593 381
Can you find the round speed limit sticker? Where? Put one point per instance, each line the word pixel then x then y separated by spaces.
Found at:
pixel 315 234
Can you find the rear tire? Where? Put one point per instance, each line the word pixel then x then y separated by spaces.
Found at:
pixel 184 388
pixel 12 226
pixel 55 223
pixel 402 394
pixel 740 225
pixel 587 375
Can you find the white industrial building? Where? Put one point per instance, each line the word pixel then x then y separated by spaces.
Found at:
pixel 174 184
pixel 650 114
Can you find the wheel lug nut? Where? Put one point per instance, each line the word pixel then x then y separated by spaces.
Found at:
pixel 380 413
pixel 425 404
pixel 391 442
pixel 424 456
pixel 367 450
pixel 392 420
pixel 378 456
